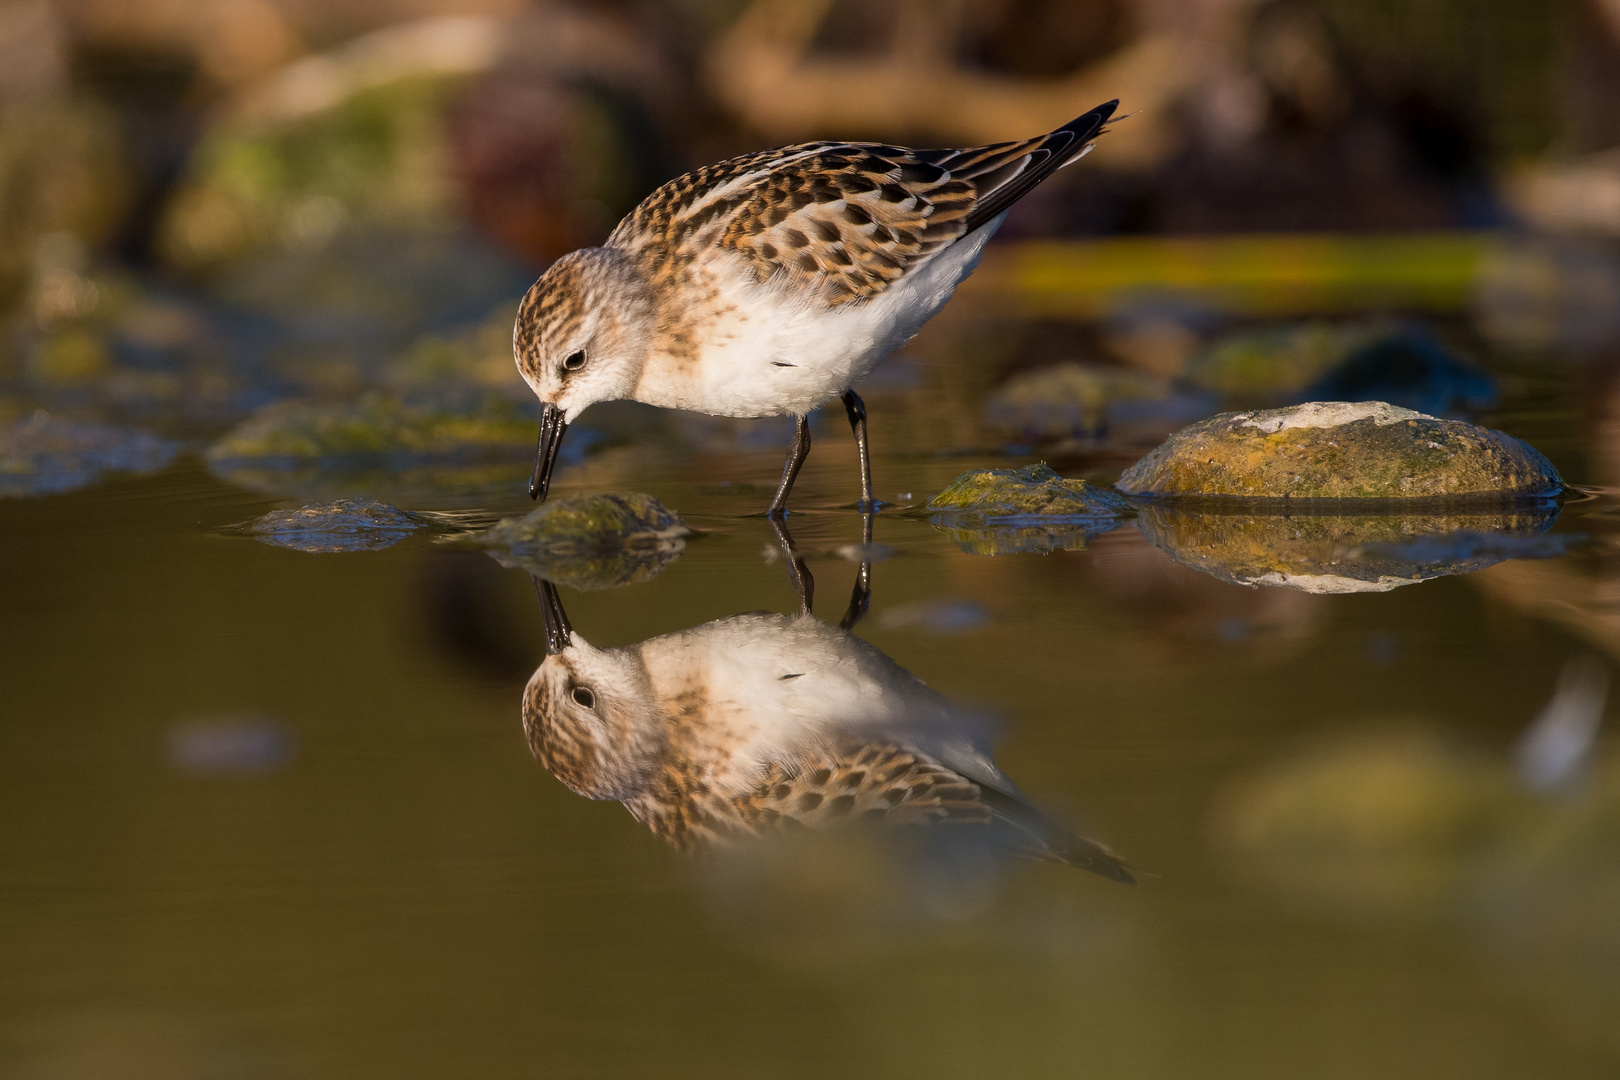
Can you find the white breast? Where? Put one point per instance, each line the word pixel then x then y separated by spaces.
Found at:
pixel 775 351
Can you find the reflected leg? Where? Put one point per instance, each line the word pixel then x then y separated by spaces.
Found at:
pixel 803 583
pixel 790 471
pixel 861 597
pixel 857 423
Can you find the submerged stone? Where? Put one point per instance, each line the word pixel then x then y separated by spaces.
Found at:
pixel 1033 509
pixel 41 456
pixel 1342 450
pixel 1341 553
pixel 590 541
pixel 344 525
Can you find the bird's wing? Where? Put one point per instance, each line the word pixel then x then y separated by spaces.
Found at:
pixel 844 221
pixel 887 783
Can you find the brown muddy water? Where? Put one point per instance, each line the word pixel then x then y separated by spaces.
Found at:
pixel 269 813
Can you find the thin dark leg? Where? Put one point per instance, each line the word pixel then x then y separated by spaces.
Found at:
pixel 857 423
pixel 790 471
pixel 798 573
pixel 861 598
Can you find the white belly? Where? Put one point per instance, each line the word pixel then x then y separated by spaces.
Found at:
pixel 775 354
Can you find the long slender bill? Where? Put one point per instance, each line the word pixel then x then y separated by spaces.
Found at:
pixel 558 633
pixel 552 427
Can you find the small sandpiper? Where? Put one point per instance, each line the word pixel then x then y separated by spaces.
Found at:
pixel 768 284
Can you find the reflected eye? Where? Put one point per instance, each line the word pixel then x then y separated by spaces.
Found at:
pixel 575 361
pixel 583 697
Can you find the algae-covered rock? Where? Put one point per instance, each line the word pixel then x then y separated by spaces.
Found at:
pixel 1338 553
pixel 379 425
pixel 40 456
pixel 1272 360
pixel 1034 491
pixel 1342 450
pixel 344 525
pixel 1404 364
pixel 590 541
pixel 1076 400
pixel 1033 509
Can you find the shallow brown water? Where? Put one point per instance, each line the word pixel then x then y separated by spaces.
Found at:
pixel 272 814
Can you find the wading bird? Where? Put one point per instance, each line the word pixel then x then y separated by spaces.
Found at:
pixel 771 283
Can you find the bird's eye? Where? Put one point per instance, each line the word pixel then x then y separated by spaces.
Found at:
pixel 583 697
pixel 575 361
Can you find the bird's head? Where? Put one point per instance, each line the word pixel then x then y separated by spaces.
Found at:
pixel 591 714
pixel 581 336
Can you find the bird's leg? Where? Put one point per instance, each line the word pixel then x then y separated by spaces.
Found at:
pixel 798 573
pixel 861 598
pixel 790 471
pixel 857 423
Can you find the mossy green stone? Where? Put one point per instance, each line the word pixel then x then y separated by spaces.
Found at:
pixel 376 424
pixel 1342 450
pixel 590 541
pixel 1033 491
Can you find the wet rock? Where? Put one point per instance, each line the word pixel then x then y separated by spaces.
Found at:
pixel 1033 509
pixel 1341 450
pixel 296 182
pixel 379 425
pixel 1273 361
pixel 1405 365
pixel 1035 491
pixel 40 456
pixel 1084 400
pixel 1410 369
pixel 344 525
pixel 590 541
pixel 1340 553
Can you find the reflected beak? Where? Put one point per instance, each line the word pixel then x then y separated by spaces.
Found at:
pixel 552 427
pixel 559 635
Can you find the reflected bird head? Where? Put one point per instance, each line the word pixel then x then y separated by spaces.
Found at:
pixel 581 336
pixel 592 720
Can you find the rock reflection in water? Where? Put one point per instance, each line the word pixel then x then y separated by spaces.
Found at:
pixel 1331 551
pixel 766 724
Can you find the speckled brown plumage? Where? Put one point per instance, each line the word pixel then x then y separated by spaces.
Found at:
pixel 751 726
pixel 846 219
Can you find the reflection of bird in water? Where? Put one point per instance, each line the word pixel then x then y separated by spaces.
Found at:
pixel 764 722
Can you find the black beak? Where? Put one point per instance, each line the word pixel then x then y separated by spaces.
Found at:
pixel 552 427
pixel 559 634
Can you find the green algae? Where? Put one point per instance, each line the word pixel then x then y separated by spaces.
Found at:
pixel 1340 450
pixel 1033 509
pixel 378 424
pixel 1275 359
pixel 377 156
pixel 1033 491
pixel 589 541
